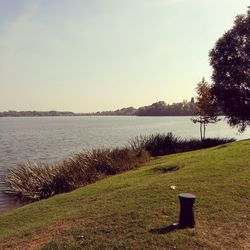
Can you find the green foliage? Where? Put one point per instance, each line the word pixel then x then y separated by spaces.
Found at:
pixel 230 59
pixel 162 109
pixel 156 145
pixel 164 144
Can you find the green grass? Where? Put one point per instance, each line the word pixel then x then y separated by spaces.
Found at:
pixel 129 210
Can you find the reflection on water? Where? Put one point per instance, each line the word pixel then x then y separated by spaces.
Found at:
pixel 9 203
pixel 52 139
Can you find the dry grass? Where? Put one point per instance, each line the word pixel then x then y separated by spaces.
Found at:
pixel 35 181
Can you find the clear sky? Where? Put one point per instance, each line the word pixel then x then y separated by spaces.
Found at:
pixel 90 55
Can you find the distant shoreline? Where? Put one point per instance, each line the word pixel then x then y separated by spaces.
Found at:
pixel 160 108
pixel 37 116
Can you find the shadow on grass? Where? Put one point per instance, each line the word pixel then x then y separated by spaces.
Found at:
pixel 164 230
pixel 166 169
pixel 222 146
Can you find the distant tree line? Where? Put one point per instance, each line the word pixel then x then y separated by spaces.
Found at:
pixel 160 108
pixel 123 111
pixel 13 113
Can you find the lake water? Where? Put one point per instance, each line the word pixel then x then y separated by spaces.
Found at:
pixel 51 139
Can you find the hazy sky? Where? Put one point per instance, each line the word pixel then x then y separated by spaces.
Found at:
pixel 89 55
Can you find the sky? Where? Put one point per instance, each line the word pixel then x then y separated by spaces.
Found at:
pixel 94 55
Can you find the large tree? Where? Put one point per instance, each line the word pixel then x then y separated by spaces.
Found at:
pixel 206 108
pixel 230 59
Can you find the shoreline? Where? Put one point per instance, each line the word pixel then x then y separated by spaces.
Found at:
pixel 141 202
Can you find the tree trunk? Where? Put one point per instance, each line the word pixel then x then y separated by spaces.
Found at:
pixel 201 130
pixel 204 131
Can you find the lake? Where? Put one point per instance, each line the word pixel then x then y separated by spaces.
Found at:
pixel 51 139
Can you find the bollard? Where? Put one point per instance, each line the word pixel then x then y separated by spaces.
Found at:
pixel 186 218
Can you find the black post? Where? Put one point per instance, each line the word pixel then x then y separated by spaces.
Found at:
pixel 186 218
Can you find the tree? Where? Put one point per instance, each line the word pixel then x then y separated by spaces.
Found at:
pixel 230 59
pixel 206 108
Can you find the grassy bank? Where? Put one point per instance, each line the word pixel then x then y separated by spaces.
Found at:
pixel 133 210
pixel 36 181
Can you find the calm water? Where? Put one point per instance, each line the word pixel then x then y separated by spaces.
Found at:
pixel 51 139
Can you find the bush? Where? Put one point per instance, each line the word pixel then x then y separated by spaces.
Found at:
pixel 159 144
pixel 164 144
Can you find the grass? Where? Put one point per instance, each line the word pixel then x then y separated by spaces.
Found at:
pixel 134 210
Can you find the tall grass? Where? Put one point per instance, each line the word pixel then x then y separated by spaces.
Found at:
pixel 164 144
pixel 35 181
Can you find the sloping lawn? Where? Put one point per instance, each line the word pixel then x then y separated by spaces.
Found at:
pixel 134 210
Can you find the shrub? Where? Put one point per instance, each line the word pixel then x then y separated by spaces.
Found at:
pixel 164 144
pixel 159 144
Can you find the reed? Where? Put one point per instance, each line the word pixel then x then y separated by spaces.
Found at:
pixel 164 144
pixel 35 181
